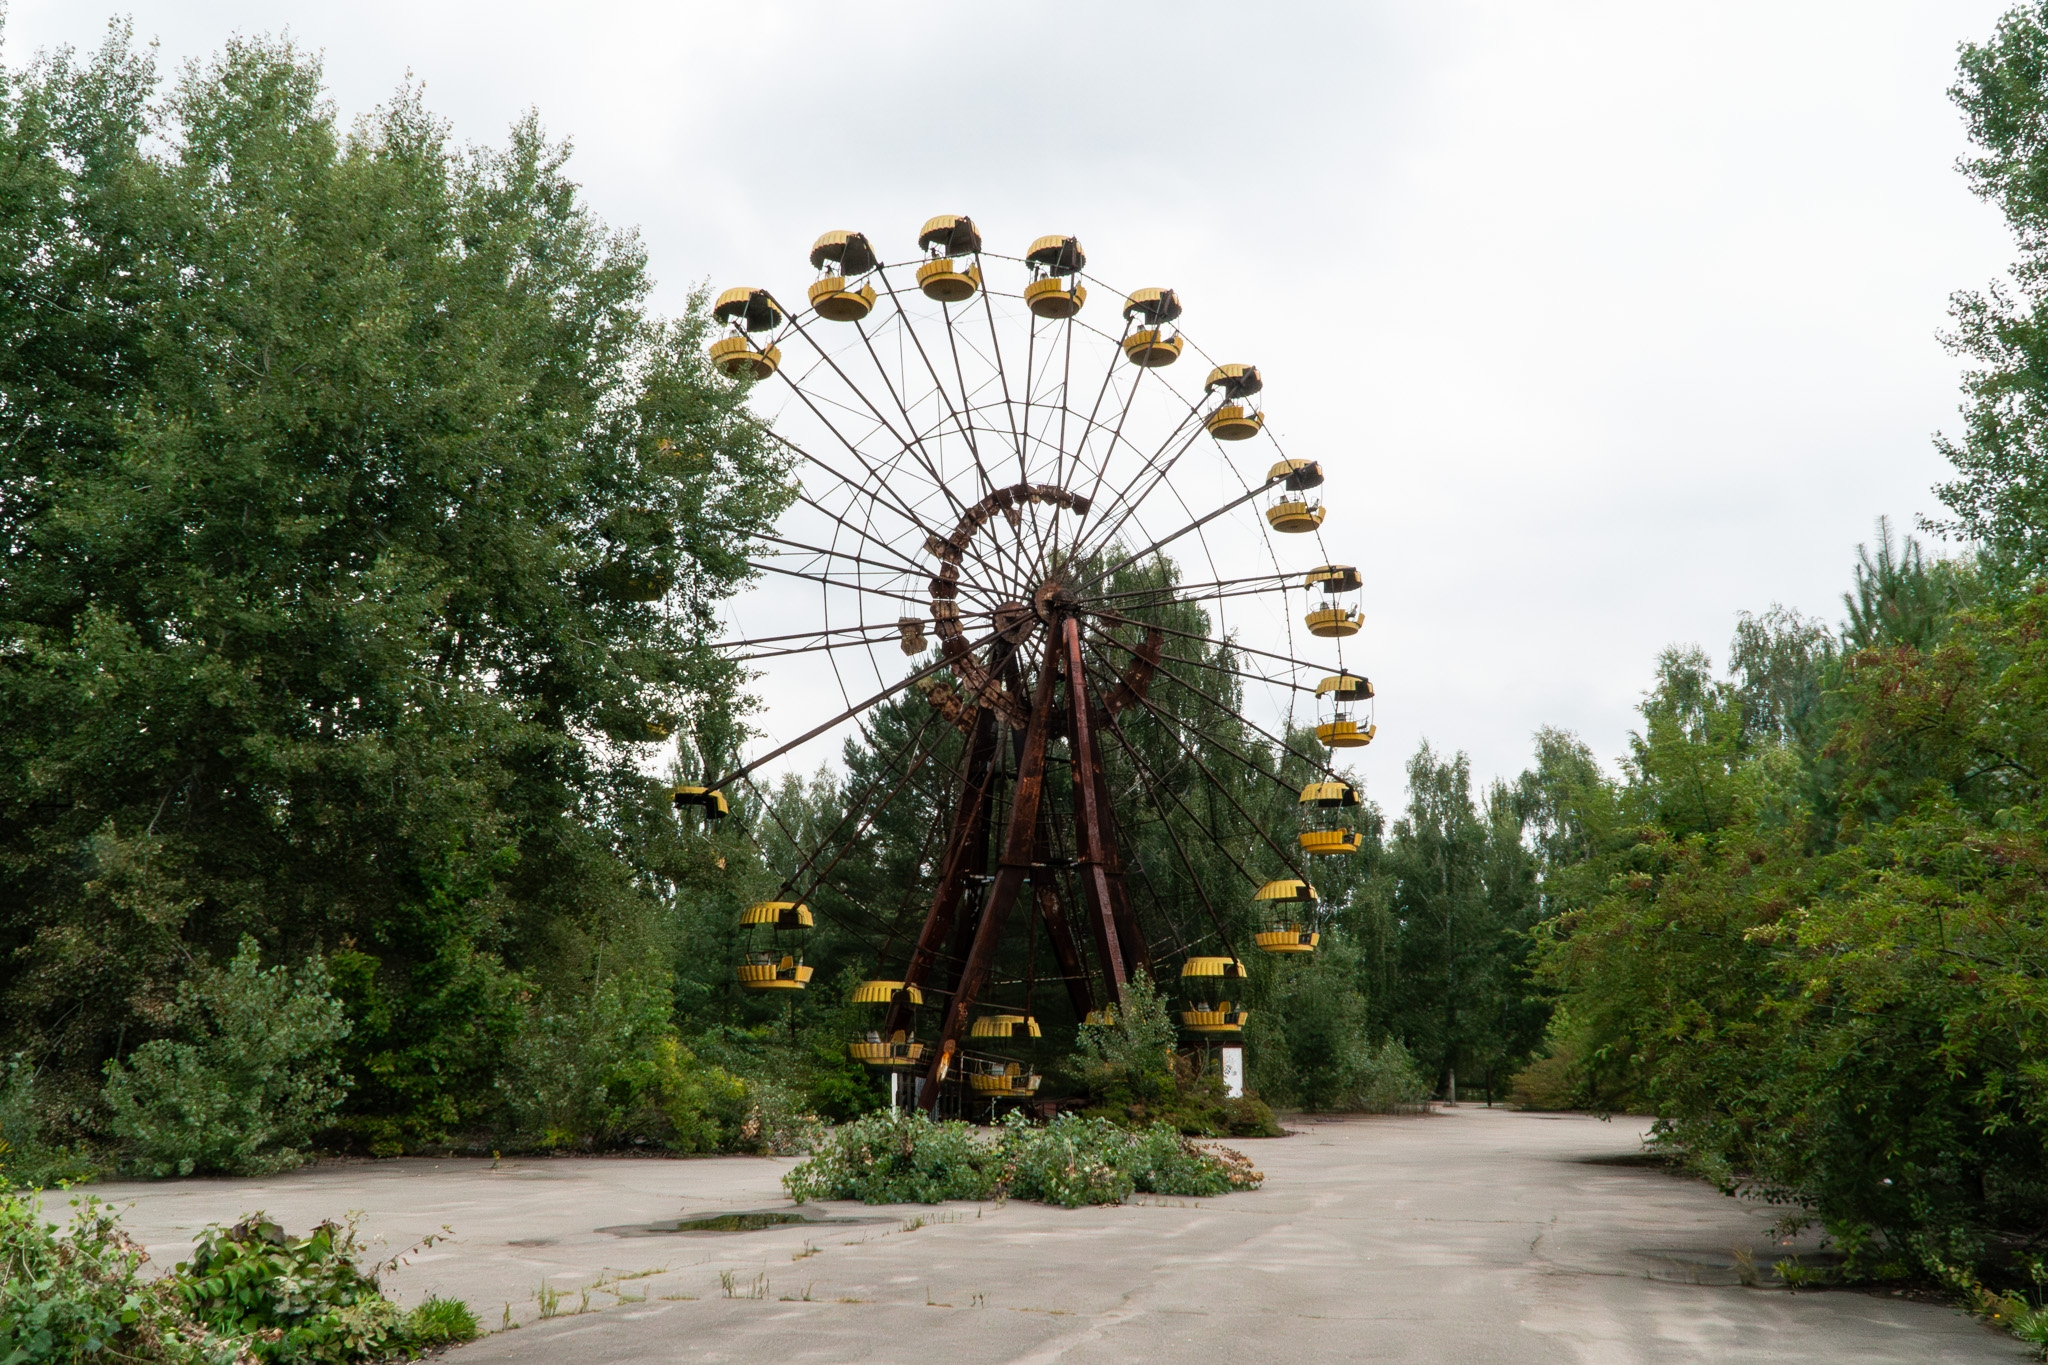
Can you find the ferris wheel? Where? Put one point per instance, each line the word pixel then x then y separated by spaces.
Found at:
pixel 1012 486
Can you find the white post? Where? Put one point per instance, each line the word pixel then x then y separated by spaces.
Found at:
pixel 1233 1070
pixel 893 1075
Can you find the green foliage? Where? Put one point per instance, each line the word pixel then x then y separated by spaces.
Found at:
pixel 294 1300
pixel 1135 1077
pixel 427 1044
pixel 80 1296
pixel 27 1159
pixel 249 1293
pixel 1999 497
pixel 895 1158
pixel 1076 1160
pixel 251 1078
pixel 1130 1060
pixel 611 1070
pixel 1311 1045
pixel 363 532
pixel 1830 990
pixel 1454 988
pixel 441 1322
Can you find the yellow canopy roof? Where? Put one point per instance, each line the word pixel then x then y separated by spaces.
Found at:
pixel 884 992
pixel 1329 794
pixel 1212 966
pixel 1154 305
pixel 851 251
pixel 953 233
pixel 1348 686
pixel 712 802
pixel 770 912
pixel 1059 254
pixel 1286 889
pixel 754 309
pixel 1300 474
pixel 1236 379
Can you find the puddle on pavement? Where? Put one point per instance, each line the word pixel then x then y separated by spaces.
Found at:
pixel 1753 1266
pixel 729 1222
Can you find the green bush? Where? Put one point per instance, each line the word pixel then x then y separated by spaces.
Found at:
pixel 610 1071
pixel 30 1161
pixel 906 1158
pixel 1076 1160
pixel 896 1157
pixel 250 1293
pixel 253 1076
pixel 1551 1082
pixel 777 1122
pixel 81 1296
pixel 427 1042
pixel 1129 1061
pixel 1134 1075
pixel 294 1300
pixel 1312 1046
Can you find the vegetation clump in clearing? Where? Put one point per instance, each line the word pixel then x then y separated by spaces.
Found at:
pixel 908 1158
pixel 251 1293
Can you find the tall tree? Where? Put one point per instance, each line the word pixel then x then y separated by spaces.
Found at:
pixel 1999 497
pixel 1464 896
pixel 359 529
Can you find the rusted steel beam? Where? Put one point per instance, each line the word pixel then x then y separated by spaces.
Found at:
pixel 1129 935
pixel 1011 870
pixel 966 856
pixel 1068 953
pixel 1090 817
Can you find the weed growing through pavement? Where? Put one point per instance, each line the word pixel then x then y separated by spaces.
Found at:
pixel 1793 1274
pixel 810 1249
pixel 756 1288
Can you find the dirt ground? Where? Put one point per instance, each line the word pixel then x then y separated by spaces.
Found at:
pixel 1470 1236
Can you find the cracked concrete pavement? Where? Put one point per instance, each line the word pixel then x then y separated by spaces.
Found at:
pixel 1470 1236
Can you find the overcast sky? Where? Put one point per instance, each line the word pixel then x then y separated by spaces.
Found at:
pixel 1608 321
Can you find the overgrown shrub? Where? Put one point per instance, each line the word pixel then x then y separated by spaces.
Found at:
pixel 29 1159
pixel 441 1322
pixel 427 1043
pixel 896 1157
pixel 251 1077
pixel 1312 1046
pixel 249 1294
pixel 81 1296
pixel 777 1123
pixel 1076 1160
pixel 1551 1082
pixel 906 1158
pixel 1134 1075
pixel 294 1300
pixel 1129 1061
pixel 611 1071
